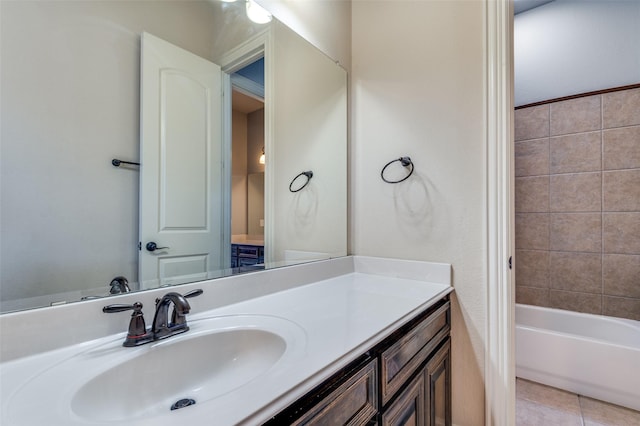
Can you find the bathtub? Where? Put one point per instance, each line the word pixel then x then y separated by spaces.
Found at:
pixel 590 355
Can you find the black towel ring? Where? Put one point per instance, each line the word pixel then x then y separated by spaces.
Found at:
pixel 405 161
pixel 308 174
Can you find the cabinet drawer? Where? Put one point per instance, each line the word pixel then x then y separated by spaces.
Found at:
pixel 352 403
pixel 247 261
pixel 400 360
pixel 249 251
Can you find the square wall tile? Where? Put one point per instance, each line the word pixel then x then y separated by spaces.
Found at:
pixel 532 157
pixel 576 271
pixel 575 115
pixel 531 123
pixel 581 152
pixel 621 191
pixel 532 231
pixel 580 192
pixel 532 194
pixel 621 108
pixel 621 232
pixel 575 232
pixel 620 275
pixel 532 296
pixel 622 308
pixel 532 268
pixel 577 302
pixel 621 148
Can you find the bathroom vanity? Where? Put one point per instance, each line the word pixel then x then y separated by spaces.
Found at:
pixel 355 340
pixel 406 379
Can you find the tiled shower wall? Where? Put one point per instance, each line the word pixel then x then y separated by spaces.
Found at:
pixel 577 199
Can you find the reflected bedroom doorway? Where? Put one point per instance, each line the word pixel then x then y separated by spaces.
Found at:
pixel 248 166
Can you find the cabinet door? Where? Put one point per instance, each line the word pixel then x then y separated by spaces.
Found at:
pixel 354 403
pixel 408 409
pixel 438 387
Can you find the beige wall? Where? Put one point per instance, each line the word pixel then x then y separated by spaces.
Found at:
pixel 578 204
pixel 255 205
pixel 255 141
pixel 239 173
pixel 248 140
pixel 255 171
pixel 417 90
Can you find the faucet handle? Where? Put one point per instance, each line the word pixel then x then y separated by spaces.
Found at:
pixel 109 309
pixel 137 334
pixel 193 293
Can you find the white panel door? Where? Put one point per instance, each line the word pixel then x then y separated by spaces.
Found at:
pixel 181 193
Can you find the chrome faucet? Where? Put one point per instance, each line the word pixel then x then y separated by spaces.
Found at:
pixel 161 328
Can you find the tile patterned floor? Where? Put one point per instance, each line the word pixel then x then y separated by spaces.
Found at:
pixel 540 405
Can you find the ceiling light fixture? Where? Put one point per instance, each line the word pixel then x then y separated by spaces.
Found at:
pixel 257 13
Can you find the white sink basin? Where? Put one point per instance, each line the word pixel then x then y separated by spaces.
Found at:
pixel 199 368
pixel 110 383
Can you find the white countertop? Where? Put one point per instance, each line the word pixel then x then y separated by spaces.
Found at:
pixel 248 240
pixel 340 318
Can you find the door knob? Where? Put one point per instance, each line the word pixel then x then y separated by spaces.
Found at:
pixel 152 246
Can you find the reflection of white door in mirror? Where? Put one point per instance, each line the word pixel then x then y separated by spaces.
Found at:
pixel 181 185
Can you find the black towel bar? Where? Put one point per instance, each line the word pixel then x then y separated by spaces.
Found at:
pixel 117 162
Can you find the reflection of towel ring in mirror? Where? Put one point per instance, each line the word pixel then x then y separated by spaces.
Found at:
pixel 405 161
pixel 308 174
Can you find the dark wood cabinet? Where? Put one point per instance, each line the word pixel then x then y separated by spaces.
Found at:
pixel 438 387
pixel 408 409
pixel 247 256
pixel 418 356
pixel 403 381
pixel 427 400
pixel 354 402
pixel 407 353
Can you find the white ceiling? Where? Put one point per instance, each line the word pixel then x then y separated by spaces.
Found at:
pixel 520 6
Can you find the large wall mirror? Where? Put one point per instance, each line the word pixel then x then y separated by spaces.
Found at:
pixel 239 130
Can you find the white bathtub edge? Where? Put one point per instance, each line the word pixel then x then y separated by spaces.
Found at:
pixel 580 361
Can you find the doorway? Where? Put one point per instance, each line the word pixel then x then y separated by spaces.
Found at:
pixel 248 166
